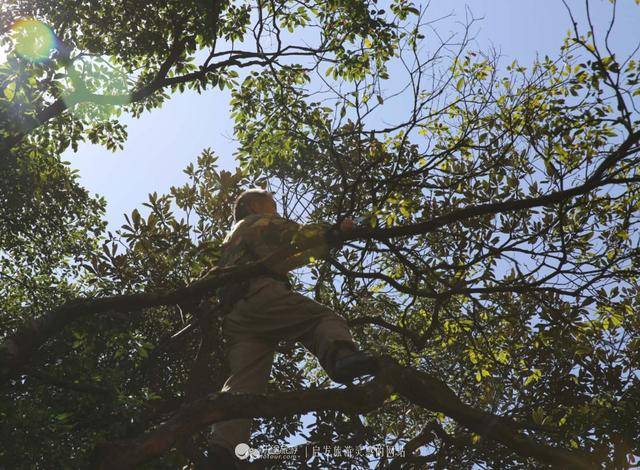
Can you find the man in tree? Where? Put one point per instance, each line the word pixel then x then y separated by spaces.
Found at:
pixel 264 310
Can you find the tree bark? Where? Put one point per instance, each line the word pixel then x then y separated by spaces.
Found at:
pixel 420 388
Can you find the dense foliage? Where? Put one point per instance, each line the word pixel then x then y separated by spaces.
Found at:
pixel 500 253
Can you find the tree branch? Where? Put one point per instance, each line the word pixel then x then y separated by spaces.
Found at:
pixel 420 388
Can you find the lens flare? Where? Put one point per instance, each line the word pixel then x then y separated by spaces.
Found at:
pixel 34 39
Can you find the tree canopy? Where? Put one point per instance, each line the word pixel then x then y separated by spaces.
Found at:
pixel 496 272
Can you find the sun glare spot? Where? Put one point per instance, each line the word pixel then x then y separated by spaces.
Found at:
pixel 34 39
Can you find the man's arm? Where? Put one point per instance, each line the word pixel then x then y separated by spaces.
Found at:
pixel 270 233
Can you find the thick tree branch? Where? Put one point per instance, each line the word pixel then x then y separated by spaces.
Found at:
pixel 420 388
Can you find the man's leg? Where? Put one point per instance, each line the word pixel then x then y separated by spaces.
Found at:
pixel 250 361
pixel 329 340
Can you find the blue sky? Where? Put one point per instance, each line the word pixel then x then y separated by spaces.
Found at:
pixel 162 142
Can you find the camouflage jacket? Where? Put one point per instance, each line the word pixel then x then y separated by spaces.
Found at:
pixel 259 235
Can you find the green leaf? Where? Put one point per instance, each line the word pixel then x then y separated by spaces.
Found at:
pixel 135 216
pixel 10 91
pixel 64 416
pixel 534 377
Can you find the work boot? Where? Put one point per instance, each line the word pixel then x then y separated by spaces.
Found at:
pixel 217 458
pixel 354 365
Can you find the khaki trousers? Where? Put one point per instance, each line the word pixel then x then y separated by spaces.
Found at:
pixel 269 313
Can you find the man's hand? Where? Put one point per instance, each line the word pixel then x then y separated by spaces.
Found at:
pixel 347 224
pixel 333 233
